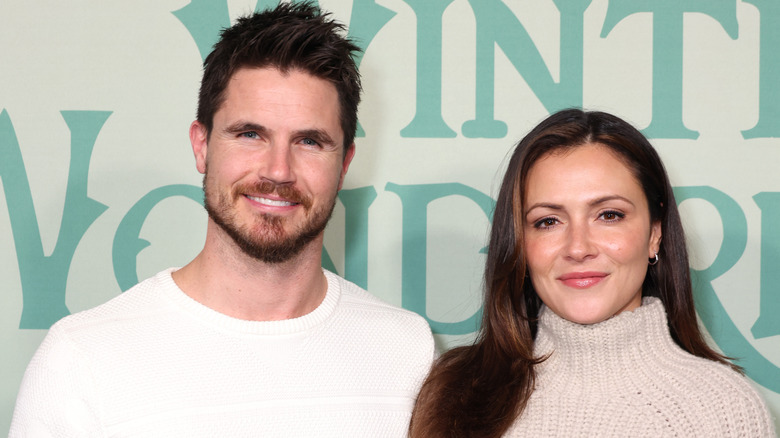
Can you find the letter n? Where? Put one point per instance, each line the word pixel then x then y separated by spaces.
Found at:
pixel 497 26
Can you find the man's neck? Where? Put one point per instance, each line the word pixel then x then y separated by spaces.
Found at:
pixel 227 280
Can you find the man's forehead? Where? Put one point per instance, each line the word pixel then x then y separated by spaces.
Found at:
pixel 298 95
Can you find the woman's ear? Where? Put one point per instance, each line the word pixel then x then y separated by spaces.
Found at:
pixel 655 239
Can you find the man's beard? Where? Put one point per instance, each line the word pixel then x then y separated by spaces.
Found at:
pixel 264 237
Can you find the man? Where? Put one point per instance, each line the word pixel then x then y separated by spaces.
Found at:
pixel 251 338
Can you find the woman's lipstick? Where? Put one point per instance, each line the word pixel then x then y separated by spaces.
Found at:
pixel 582 280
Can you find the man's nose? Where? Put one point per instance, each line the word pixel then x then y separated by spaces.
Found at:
pixel 278 164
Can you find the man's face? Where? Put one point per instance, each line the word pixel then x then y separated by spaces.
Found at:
pixel 274 161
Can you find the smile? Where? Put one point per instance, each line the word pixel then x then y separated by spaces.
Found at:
pixel 271 202
pixel 582 280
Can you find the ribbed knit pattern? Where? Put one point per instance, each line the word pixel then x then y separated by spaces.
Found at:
pixel 155 363
pixel 625 377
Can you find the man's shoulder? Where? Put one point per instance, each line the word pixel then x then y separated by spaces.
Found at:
pixel 122 324
pixel 369 310
pixel 393 339
pixel 357 298
pixel 135 303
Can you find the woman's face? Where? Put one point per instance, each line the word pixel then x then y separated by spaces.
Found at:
pixel 588 234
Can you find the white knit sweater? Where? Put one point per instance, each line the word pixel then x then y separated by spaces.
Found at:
pixel 155 363
pixel 625 377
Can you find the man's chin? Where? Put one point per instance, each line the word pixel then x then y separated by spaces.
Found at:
pixel 280 250
pixel 267 239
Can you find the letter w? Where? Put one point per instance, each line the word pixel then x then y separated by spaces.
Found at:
pixel 44 277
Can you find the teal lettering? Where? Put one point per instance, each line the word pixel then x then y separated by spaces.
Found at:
pixel 356 203
pixel 204 19
pixel 366 21
pixel 428 121
pixel 710 309
pixel 415 200
pixel 43 277
pixel 498 26
pixel 127 243
pixel 667 15
pixel 270 4
pixel 768 71
pixel 768 324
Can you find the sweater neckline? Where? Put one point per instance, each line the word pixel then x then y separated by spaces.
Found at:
pixel 209 316
pixel 603 353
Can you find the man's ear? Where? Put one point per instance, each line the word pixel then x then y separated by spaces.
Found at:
pixel 199 141
pixel 349 154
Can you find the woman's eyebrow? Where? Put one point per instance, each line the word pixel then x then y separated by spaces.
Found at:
pixel 608 198
pixel 593 202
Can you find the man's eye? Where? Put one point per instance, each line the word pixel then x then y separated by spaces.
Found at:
pixel 250 134
pixel 309 142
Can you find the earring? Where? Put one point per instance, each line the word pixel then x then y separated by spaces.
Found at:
pixel 653 261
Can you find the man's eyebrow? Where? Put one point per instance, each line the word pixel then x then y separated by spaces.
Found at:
pixel 240 126
pixel 318 135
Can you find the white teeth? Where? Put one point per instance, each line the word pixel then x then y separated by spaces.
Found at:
pixel 272 202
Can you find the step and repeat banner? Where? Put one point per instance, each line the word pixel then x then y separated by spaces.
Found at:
pixel 100 188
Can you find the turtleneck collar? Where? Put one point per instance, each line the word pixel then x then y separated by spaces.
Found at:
pixel 599 354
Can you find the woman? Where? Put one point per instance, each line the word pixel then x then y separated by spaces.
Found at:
pixel 589 324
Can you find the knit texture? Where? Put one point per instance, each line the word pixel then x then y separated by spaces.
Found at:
pixel 625 377
pixel 154 363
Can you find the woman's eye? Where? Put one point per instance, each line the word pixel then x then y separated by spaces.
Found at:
pixel 546 222
pixel 612 216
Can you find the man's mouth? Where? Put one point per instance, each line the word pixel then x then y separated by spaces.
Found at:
pixel 271 202
pixel 274 195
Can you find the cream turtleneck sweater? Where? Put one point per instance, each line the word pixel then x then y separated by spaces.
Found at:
pixel 626 377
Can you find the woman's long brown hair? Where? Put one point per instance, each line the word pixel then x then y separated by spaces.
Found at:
pixel 481 389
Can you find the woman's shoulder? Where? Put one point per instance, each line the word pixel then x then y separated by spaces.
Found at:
pixel 719 393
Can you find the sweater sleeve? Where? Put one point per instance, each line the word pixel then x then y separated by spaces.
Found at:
pixel 57 396
pixel 750 415
pixel 736 404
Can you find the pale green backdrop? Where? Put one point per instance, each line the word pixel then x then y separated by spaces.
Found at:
pixel 100 189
